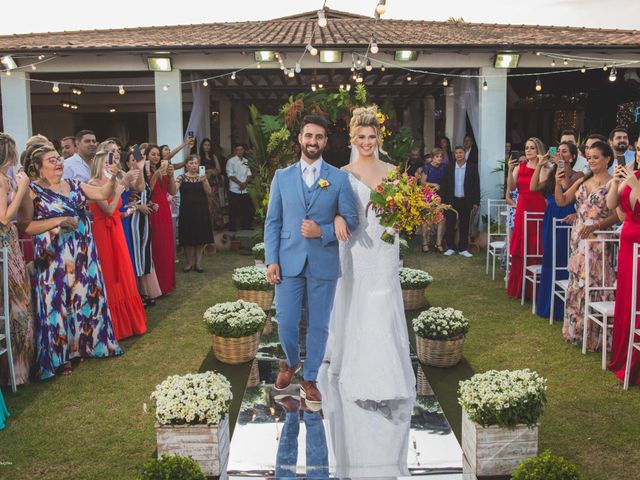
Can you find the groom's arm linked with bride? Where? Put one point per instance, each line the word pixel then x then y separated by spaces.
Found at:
pixel 302 256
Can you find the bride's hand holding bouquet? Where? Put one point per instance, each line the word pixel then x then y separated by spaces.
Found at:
pixel 403 206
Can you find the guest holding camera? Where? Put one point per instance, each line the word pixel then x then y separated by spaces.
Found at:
pixel 162 241
pixel 194 226
pixel 125 305
pixel 72 315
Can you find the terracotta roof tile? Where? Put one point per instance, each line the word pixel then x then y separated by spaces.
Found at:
pixel 284 33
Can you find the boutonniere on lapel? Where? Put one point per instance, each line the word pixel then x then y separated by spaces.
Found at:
pixel 323 184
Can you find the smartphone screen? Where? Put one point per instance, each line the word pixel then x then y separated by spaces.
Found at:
pixel 201 170
pixel 190 134
pixel 553 150
pixel 110 158
pixel 137 154
pixel 515 154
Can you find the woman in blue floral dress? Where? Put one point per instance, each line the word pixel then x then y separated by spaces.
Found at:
pixel 72 315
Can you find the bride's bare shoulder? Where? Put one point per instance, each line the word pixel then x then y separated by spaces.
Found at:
pixel 388 166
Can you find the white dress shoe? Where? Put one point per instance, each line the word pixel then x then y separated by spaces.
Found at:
pixel 448 253
pixel 466 254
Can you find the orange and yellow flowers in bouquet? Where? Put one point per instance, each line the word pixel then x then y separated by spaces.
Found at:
pixel 403 206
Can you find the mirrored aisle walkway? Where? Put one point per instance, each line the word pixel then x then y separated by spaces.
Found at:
pixel 278 435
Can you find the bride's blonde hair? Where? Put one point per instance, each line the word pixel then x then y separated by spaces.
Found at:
pixel 365 117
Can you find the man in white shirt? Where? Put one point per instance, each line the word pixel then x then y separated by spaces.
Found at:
pixel 619 141
pixel 78 166
pixel 68 145
pixel 240 207
pixel 581 164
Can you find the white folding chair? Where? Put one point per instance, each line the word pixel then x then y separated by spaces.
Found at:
pixel 531 273
pixel 559 287
pixel 633 328
pixel 599 312
pixel 5 333
pixel 496 232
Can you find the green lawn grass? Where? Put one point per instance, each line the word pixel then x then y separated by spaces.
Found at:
pixel 92 425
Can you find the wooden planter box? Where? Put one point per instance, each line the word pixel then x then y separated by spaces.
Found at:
pixel 206 444
pixel 494 450
pixel 235 351
pixel 413 298
pixel 439 353
pixel 264 298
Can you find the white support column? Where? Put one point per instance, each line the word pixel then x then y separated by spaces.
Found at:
pixel 429 123
pixel 225 125
pixel 492 135
pixel 449 113
pixel 169 127
pixel 16 107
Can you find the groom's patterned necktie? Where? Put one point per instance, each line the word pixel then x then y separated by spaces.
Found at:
pixel 309 175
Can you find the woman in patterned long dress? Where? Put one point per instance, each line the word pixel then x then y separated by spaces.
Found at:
pixel 23 341
pixel 72 316
pixel 528 201
pixel 162 234
pixel 592 214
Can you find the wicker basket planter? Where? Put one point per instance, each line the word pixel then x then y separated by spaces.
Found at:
pixel 235 350
pixel 439 353
pixel 413 298
pixel 264 298
pixel 493 451
pixel 206 444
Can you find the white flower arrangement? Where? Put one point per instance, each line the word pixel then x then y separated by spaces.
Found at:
pixel 404 247
pixel 411 278
pixel 258 251
pixel 504 398
pixel 251 278
pixel 194 398
pixel 234 319
pixel 439 323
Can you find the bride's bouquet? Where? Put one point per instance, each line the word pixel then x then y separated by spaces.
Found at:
pixel 403 206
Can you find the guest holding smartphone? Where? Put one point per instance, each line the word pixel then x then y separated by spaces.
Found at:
pixel 194 226
pixel 125 305
pixel 162 241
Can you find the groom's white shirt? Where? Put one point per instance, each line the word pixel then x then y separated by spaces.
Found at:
pixel 317 166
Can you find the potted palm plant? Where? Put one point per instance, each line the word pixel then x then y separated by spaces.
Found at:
pixel 253 286
pixel 235 330
pixel 192 419
pixel 500 415
pixel 440 336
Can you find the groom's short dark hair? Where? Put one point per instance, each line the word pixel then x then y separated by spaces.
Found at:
pixel 316 120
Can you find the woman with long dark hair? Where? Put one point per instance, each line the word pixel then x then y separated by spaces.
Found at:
pixel 210 160
pixel 544 180
pixel 445 145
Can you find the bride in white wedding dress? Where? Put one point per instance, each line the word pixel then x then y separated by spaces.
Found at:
pixel 367 380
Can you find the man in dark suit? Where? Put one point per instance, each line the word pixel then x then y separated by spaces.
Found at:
pixel 461 189
pixel 470 149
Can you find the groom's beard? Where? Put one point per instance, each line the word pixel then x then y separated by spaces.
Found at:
pixel 311 156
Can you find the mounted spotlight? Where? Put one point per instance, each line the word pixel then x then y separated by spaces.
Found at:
pixel 265 56
pixel 330 56
pixel 405 55
pixel 8 62
pixel 159 64
pixel 506 60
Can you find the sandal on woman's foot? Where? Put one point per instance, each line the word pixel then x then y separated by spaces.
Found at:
pixel 440 248
pixel 425 247
pixel 66 370
pixel 187 269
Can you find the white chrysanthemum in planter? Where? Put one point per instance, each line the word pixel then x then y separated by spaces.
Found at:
pixel 234 319
pixel 439 323
pixel 251 278
pixel 411 279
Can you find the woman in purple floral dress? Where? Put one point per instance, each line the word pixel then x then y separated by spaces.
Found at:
pixel 72 315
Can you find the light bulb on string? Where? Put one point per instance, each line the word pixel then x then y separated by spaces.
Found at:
pixel 233 76
pixel 565 61
pixel 445 82
pixel 298 67
pixel 348 87
pixel 33 67
pixel 322 19
pixel 40 57
pixel 205 83
pixel 538 85
pixel 382 68
pixel 313 87
pixel 312 50
pixel 538 54
pixel 613 75
pixel 381 8
pixel 165 87
pixel 408 77
pixel 359 79
pixel 485 85
pixel 374 46
pixel 353 67
pixel 291 73
pixel 259 65
pixel 369 67
pixel 354 76
pixel 359 61
pixel 56 87
pixel 320 85
pixel 8 73
pixel 121 90
pixel 605 68
pixel 553 63
pixel 583 69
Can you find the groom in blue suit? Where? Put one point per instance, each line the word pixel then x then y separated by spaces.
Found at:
pixel 302 251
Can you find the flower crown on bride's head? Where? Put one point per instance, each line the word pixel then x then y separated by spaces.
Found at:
pixel 366 117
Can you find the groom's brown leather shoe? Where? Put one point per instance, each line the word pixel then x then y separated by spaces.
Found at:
pixel 309 391
pixel 286 374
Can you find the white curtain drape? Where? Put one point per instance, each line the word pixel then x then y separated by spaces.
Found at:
pixel 199 112
pixel 466 105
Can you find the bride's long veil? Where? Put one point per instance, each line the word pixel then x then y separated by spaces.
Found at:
pixel 354 153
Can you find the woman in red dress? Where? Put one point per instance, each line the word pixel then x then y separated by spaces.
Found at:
pixel 528 201
pixel 162 241
pixel 625 198
pixel 127 312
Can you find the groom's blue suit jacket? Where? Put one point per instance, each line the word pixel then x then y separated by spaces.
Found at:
pixel 284 243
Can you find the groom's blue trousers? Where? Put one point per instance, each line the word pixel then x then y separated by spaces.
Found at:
pixel 290 293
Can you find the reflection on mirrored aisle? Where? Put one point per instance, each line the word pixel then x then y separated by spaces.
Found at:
pixel 278 435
